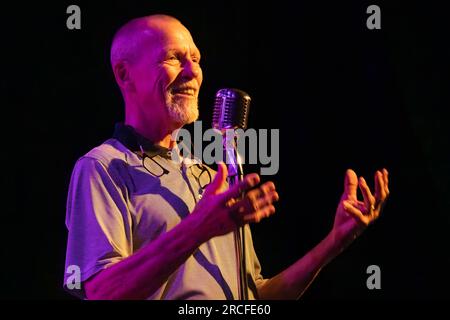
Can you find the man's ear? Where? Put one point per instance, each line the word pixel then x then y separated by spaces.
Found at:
pixel 122 73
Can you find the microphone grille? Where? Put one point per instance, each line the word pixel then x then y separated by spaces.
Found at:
pixel 231 109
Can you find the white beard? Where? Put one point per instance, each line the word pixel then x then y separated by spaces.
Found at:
pixel 182 112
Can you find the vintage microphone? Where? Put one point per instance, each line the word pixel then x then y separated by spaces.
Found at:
pixel 231 109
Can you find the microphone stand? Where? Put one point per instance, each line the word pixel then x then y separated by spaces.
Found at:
pixel 235 175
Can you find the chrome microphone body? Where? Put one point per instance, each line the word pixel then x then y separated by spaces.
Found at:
pixel 231 110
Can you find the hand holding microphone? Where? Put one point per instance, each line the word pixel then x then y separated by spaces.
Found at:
pixel 222 211
pixel 231 110
pixel 226 210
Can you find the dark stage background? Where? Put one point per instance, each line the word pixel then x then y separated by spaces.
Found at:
pixel 342 96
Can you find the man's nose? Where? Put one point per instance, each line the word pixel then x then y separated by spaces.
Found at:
pixel 191 69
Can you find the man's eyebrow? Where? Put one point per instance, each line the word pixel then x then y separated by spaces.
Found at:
pixel 168 51
pixel 163 52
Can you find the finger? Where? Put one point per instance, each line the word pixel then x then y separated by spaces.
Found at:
pixel 355 213
pixel 249 205
pixel 236 190
pixel 380 193
pixel 378 184
pixel 350 185
pixel 266 200
pixel 219 180
pixel 259 215
pixel 385 176
pixel 386 181
pixel 267 188
pixel 367 194
pixel 231 202
pixel 264 189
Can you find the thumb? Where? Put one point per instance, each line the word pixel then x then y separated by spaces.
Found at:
pixel 219 180
pixel 350 185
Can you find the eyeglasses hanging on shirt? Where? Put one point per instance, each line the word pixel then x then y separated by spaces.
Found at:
pixel 153 167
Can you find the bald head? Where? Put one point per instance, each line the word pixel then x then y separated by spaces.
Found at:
pixel 131 38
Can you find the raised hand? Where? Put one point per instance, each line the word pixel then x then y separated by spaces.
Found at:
pixel 353 215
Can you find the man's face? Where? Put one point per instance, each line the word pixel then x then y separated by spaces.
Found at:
pixel 168 76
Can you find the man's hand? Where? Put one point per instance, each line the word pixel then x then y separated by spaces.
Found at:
pixel 223 211
pixel 352 215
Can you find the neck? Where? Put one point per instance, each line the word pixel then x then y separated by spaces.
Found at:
pixel 156 129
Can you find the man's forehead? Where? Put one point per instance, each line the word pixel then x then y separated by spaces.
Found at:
pixel 163 27
pixel 174 39
pixel 173 35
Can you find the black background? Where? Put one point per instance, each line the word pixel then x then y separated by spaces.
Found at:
pixel 342 96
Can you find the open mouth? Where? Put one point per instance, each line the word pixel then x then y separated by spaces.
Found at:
pixel 186 91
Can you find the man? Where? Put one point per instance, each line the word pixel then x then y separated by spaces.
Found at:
pixel 140 225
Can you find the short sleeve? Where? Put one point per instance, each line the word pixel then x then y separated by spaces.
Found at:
pixel 97 219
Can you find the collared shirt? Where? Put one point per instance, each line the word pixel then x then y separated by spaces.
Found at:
pixel 118 202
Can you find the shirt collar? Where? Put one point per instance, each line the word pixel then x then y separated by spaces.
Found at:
pixel 128 136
